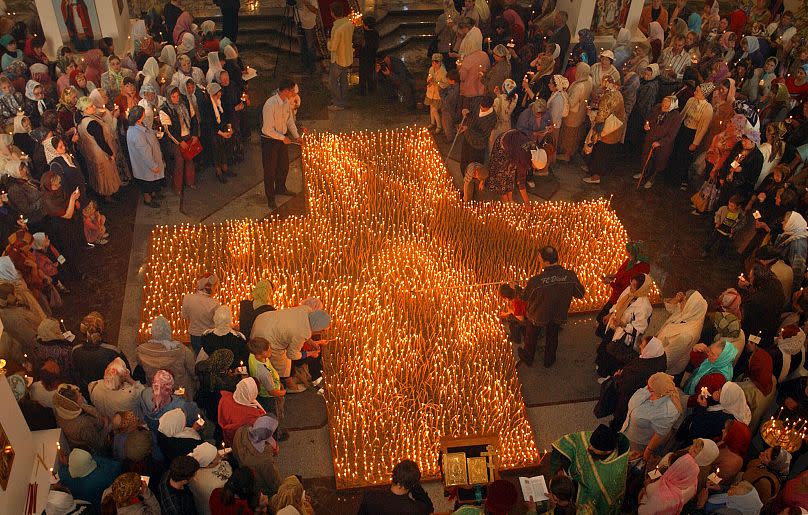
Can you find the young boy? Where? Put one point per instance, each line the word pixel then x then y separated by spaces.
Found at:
pixel 727 220
pixel 48 259
pixel 271 393
pixel 449 97
pixel 514 317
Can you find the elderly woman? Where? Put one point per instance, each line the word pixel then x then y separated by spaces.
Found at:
pixel 682 328
pixel 644 104
pixel 112 132
pixel 117 391
pixel 129 495
pixel 217 129
pixel 147 159
pixel 607 131
pixel 260 303
pixel 677 485
pixel 792 244
pixel 557 104
pixel 82 424
pixel 51 345
pixel 291 495
pixel 287 331
pixel 652 413
pixel 223 336
pixel 214 67
pixel 601 69
pixel 510 159
pixel 161 352
pixel 569 140
pixel 739 175
pixel 161 398
pixel 636 263
pixel 733 447
pixel 714 411
pixel 635 374
pixel 176 119
pixel 715 360
pixel 215 375
pixel 66 113
pixel 624 325
pixel 768 471
pixel 661 127
pixel 186 69
pixel 95 143
pixel 64 219
pixel 175 437
pixel 112 79
pixel 11 102
pixel 238 409
pixel 255 447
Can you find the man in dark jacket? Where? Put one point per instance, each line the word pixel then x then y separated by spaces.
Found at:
pixel 480 121
pixel 548 296
pixel 404 496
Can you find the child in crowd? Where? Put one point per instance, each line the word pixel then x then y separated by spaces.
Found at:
pixel 95 225
pixel 270 392
pixel 727 220
pixel 514 316
pixel 48 259
pixel 435 82
pixel 449 97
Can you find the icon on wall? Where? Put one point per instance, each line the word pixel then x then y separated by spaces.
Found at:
pixel 6 458
pixel 78 22
pixel 607 17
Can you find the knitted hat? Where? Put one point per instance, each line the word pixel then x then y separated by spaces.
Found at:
pixel 603 439
pixel 502 496
pixel 319 320
pixel 707 88
pixel 80 463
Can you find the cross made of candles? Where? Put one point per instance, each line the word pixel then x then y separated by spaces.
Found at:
pixel 409 274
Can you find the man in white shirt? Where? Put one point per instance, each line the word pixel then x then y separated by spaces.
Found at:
pixel 674 59
pixel 278 131
pixel 341 47
pixel 308 12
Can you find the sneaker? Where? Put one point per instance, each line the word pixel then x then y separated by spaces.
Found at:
pixel 636 176
pixel 683 186
pixel 648 185
pixel 317 381
pixel 298 388
pixel 590 180
pixel 531 184
pixel 334 107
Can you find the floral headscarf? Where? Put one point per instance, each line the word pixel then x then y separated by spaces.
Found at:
pixel 162 388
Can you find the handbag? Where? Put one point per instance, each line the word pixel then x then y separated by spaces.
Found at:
pixel 607 402
pixel 611 125
pixel 193 149
pixel 705 199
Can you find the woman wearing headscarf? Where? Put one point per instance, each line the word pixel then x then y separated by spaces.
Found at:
pixel 11 101
pixel 214 67
pixel 652 413
pixel 183 26
pixel 768 471
pixel 161 398
pixel 112 79
pixel 79 82
pixel 168 62
pixel 129 495
pixel 509 158
pixel 682 328
pixel 629 89
pixel 94 144
pixel 584 50
pixel 624 326
pixel 607 131
pixel 240 408
pixel 190 98
pixel 174 436
pixel 110 124
pixel 623 48
pixel 505 102
pixel 255 447
pixel 792 244
pixel 215 375
pixel 117 391
pixel 721 146
pixel 176 119
pixel 51 345
pixel 24 196
pixel 291 495
pixel 750 46
pixel 87 475
pixel 712 414
pixel 217 129
pixel 715 360
pixel 188 47
pixel 635 374
pixel 557 104
pixel 260 303
pixel 64 219
pixel 10 51
pixel 732 448
pixel 569 140
pixel 677 485
pixel 145 155
pixel 645 101
pixel 82 424
pixel 223 336
pixel 789 354
pixel 662 125
pixel 656 40
pixel 126 101
pixel 66 113
pixel 635 264
pixel 722 101
pixel 759 386
pixel 32 52
pixel 161 352
pixel 20 320
pixel 761 305
pixel 22 136
pixel 186 69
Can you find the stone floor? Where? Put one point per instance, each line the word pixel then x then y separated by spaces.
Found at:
pixel 659 216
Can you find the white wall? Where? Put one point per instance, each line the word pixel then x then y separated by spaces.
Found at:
pixel 50 26
pixel 114 23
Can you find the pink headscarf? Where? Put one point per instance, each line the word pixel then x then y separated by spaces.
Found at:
pixel 731 302
pixel 162 388
pixel 674 484
pixel 92 65
pixel 183 25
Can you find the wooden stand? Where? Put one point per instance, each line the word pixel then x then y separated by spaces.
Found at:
pixel 468 465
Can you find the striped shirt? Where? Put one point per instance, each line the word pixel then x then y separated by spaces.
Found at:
pixel 677 62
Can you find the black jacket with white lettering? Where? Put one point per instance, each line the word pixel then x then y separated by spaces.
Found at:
pixel 549 294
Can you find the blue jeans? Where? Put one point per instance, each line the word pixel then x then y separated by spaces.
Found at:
pixel 338 81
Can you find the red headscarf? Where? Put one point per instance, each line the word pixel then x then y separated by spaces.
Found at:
pixel 760 371
pixel 738 438
pixel 73 76
pixel 737 21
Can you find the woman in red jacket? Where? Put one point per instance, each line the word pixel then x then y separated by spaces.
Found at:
pixel 637 263
pixel 238 409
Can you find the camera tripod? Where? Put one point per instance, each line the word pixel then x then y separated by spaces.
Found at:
pixel 289 27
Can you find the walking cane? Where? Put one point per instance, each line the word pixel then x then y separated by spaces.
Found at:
pixel 642 173
pixel 449 154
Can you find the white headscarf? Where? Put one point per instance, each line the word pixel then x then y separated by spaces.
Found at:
pixel 29 94
pixel 204 453
pixel 795 228
pixel 214 67
pixel 50 150
pixel 168 56
pixel 653 349
pixel 12 168
pixel 223 322
pixel 187 44
pixel 7 270
pixel 246 393
pixel 733 401
pixel 172 424
pixel 161 333
pixel 114 374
